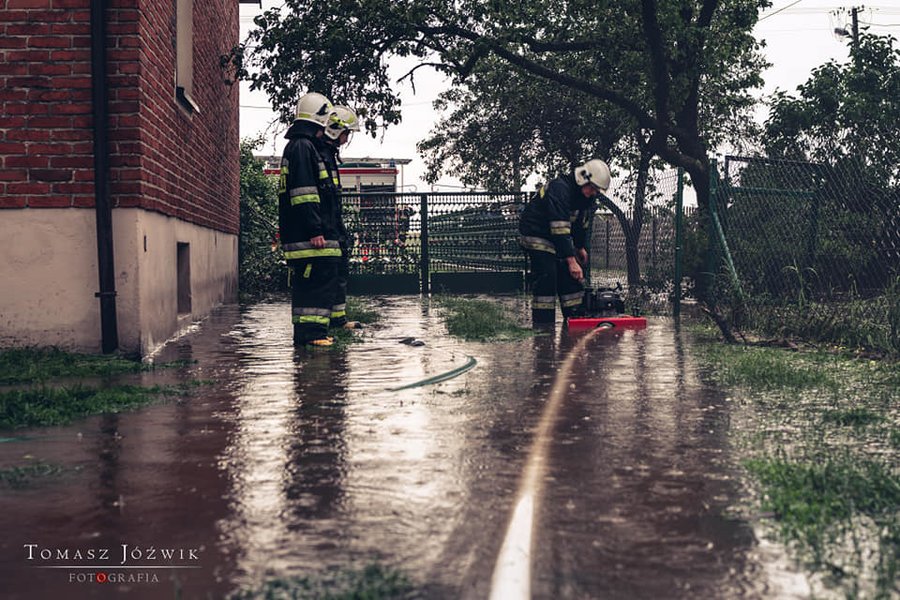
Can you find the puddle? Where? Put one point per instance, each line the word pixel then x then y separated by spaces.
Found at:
pixel 295 461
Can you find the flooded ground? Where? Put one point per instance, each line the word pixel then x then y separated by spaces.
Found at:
pixel 288 463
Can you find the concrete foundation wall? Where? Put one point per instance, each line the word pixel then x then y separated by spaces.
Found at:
pixel 49 276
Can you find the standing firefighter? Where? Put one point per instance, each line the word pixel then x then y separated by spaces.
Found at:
pixel 341 125
pixel 555 226
pixel 309 233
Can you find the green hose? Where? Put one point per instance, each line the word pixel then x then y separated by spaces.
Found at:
pixel 470 363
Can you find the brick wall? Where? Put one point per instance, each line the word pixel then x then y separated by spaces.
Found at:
pixel 162 158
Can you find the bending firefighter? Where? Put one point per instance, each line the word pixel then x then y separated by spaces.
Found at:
pixel 306 219
pixel 555 228
pixel 341 125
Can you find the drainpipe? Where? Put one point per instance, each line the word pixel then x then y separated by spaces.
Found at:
pixel 107 293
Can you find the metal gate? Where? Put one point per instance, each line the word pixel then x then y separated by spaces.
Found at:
pixel 434 242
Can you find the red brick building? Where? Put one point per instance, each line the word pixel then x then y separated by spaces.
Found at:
pixel 119 171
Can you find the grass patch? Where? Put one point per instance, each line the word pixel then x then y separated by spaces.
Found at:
pixel 840 513
pixel 19 477
pixel 852 417
pixel 820 433
pixel 59 406
pixel 29 365
pixel 358 312
pixel 479 320
pixel 767 368
pixel 872 324
pixel 810 498
pixel 371 583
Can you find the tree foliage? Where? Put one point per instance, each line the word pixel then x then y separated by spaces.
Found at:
pixel 503 124
pixel 846 118
pixel 845 113
pixel 261 268
pixel 663 64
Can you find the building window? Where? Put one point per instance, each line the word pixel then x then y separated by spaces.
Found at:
pixel 184 278
pixel 184 55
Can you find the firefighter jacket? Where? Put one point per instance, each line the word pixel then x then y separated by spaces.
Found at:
pixel 332 160
pixel 557 219
pixel 306 197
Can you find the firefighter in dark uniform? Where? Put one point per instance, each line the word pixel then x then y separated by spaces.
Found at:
pixel 308 231
pixel 555 226
pixel 340 128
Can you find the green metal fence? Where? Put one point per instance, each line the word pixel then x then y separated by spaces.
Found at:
pixel 454 242
pixel 649 227
pixel 806 250
pixel 786 248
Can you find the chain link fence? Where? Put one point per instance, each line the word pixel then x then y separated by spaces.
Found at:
pixel 808 251
pixel 636 248
pixel 786 248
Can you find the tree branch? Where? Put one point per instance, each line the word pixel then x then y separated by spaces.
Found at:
pixel 543 46
pixel 409 74
pixel 659 62
pixel 536 68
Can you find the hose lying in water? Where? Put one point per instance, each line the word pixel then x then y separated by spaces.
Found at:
pixel 470 364
pixel 511 579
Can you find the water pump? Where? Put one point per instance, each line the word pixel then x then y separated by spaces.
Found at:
pixel 605 305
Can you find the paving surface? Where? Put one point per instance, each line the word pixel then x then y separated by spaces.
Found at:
pixel 291 462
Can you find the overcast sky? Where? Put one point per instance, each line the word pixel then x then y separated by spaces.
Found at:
pixel 799 36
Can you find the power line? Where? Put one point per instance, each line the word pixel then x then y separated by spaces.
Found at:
pixel 772 14
pixel 880 24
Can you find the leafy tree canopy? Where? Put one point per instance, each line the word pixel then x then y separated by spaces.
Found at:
pixel 503 124
pixel 845 113
pixel 666 65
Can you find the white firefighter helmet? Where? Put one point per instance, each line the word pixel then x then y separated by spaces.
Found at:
pixel 315 108
pixel 342 119
pixel 594 172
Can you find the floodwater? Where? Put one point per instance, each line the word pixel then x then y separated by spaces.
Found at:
pixel 290 463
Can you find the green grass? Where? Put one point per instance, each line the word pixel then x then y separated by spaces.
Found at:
pixel 767 368
pixel 820 433
pixel 358 312
pixel 19 477
pixel 841 511
pixel 46 406
pixel 29 365
pixel 871 324
pixel 852 417
pixel 810 498
pixel 479 320
pixel 373 582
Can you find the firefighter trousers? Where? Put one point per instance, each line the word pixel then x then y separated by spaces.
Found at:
pixel 550 280
pixel 339 308
pixel 314 283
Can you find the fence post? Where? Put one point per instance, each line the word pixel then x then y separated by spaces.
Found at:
pixel 606 220
pixel 717 234
pixel 679 208
pixel 423 241
pixel 813 232
pixel 709 277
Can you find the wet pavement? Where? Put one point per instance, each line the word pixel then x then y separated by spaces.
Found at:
pixel 291 462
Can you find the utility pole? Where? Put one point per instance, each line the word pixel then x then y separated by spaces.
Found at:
pixel 853 34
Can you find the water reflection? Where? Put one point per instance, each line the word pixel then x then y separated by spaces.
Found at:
pixel 295 461
pixel 316 468
pixel 642 471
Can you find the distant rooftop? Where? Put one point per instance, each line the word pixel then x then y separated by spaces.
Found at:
pixel 375 159
pixel 348 161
